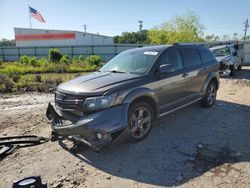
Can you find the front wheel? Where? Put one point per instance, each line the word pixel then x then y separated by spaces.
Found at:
pixel 140 119
pixel 210 97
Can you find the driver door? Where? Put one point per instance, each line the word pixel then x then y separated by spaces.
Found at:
pixel 172 86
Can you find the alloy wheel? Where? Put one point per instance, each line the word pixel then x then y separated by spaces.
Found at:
pixel 140 122
pixel 211 94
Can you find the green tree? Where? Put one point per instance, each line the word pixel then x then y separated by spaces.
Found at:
pixel 212 38
pixel 132 38
pixel 188 22
pixel 180 29
pixel 6 42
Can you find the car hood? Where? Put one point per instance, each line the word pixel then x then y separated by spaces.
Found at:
pixel 96 83
pixel 223 58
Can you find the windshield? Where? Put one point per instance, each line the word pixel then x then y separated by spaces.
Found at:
pixel 134 61
pixel 221 52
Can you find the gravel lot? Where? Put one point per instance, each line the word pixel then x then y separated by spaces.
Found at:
pixel 193 147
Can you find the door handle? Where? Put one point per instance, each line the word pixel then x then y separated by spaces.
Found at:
pixel 184 75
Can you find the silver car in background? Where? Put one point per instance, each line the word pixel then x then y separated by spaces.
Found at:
pixel 230 58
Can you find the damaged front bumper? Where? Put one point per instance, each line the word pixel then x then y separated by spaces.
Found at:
pixel 95 130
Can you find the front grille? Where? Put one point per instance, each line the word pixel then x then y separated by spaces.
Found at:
pixel 67 102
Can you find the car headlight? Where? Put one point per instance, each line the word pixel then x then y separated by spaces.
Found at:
pixel 98 103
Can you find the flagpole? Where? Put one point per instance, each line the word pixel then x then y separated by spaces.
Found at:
pixel 30 17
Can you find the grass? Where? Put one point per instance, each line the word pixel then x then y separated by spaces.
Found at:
pixel 16 68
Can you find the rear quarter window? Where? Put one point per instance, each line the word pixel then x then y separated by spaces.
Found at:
pixel 191 57
pixel 206 55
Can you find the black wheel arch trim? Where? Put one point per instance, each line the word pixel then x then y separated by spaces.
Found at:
pixel 211 76
pixel 140 93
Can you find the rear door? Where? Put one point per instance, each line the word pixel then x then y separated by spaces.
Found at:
pixel 195 70
pixel 172 86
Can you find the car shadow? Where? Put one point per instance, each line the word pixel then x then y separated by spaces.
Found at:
pixel 244 73
pixel 182 146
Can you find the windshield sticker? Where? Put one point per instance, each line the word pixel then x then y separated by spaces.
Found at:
pixel 150 53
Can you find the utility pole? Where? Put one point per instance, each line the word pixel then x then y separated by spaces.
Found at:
pixel 245 30
pixel 140 28
pixel 85 28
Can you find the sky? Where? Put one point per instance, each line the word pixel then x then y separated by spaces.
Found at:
pixel 112 17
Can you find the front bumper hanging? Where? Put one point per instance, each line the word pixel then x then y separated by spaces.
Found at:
pixel 85 129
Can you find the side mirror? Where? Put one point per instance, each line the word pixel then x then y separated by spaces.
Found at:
pixel 166 68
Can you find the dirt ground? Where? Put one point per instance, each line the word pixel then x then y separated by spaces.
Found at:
pixel 193 147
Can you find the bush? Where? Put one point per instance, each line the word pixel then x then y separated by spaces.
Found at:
pixel 15 78
pixel 65 59
pixel 33 61
pixel 81 58
pixel 1 62
pixel 94 60
pixel 12 70
pixel 38 78
pixel 27 83
pixel 24 60
pixel 43 62
pixel 54 55
pixel 6 83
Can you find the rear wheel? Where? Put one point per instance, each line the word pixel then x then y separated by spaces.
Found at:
pixel 140 119
pixel 210 97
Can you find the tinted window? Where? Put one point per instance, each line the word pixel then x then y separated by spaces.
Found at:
pixel 172 57
pixel 191 57
pixel 206 55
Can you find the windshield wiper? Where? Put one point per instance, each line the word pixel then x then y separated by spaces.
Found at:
pixel 115 71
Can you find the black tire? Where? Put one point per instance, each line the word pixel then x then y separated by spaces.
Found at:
pixel 239 67
pixel 232 71
pixel 140 120
pixel 209 98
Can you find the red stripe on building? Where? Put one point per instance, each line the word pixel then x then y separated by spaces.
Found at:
pixel 51 36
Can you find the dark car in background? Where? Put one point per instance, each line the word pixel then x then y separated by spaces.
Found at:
pixel 131 91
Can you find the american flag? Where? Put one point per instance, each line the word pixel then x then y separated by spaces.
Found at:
pixel 35 14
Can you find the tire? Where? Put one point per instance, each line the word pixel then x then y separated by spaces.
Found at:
pixel 232 71
pixel 140 120
pixel 209 98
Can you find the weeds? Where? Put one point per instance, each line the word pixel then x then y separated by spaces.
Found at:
pixel 27 83
pixel 13 75
pixel 32 65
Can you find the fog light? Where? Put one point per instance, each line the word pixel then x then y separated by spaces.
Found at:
pixel 99 136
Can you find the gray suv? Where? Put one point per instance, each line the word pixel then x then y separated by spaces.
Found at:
pixel 131 91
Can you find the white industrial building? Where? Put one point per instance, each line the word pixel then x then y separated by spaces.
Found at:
pixel 27 37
